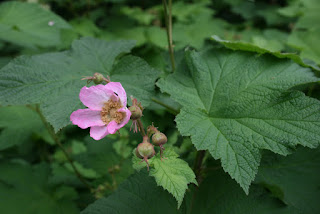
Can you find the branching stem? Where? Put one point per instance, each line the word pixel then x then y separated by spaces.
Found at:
pixel 57 141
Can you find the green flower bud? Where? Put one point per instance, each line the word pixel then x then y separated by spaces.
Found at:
pixel 159 138
pixel 146 150
pixel 138 154
pixel 136 112
pixel 98 78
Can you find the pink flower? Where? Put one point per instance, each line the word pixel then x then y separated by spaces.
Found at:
pixel 106 112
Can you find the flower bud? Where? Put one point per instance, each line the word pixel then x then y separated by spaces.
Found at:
pixel 138 154
pixel 159 138
pixel 151 130
pixel 146 150
pixel 136 112
pixel 98 78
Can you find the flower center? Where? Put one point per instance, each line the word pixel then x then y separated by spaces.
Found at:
pixel 110 112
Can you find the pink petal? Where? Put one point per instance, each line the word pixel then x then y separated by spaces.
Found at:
pixel 98 132
pixel 94 97
pixel 113 127
pixel 117 88
pixel 85 118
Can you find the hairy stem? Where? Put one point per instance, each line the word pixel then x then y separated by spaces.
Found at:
pixel 197 168
pixel 169 108
pixel 57 141
pixel 168 20
pixel 143 133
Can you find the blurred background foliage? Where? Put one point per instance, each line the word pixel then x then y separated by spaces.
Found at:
pixel 35 176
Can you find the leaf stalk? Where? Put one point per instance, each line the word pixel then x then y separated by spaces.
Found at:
pixel 57 141
pixel 168 21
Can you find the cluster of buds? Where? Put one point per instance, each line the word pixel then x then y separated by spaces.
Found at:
pixel 145 150
pixel 158 138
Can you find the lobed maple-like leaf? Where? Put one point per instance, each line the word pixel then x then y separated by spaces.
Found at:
pixel 237 103
pixel 54 79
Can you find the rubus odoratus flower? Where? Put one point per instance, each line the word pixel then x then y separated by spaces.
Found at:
pixel 106 112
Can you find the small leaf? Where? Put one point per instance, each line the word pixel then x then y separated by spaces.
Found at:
pixel 172 173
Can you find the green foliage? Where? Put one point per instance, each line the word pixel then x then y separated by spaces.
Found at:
pixel 100 156
pixel 240 97
pixel 293 179
pixel 261 49
pixel 137 14
pixel 217 194
pixel 306 32
pixel 53 79
pixel 235 103
pixel 220 194
pixel 139 194
pixel 172 173
pixel 30 25
pixel 24 189
pixel 19 123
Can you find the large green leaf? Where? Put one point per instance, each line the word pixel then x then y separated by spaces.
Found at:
pixel 18 124
pixel 53 79
pixel 138 195
pixel 294 179
pixel 236 103
pixel 220 194
pixel 24 189
pixel 30 25
pixel 260 48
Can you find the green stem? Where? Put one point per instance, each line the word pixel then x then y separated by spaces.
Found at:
pixel 197 168
pixel 169 108
pixel 168 20
pixel 198 164
pixel 57 141
pixel 143 133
